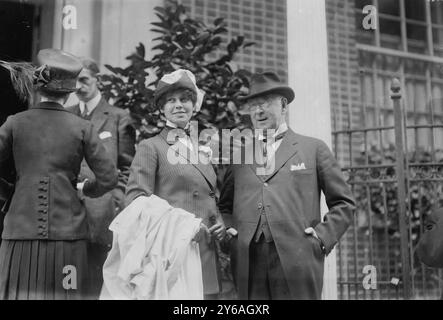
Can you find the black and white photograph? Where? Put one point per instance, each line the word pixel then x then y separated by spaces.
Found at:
pixel 237 151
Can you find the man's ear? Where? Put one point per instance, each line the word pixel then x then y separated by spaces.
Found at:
pixel 284 104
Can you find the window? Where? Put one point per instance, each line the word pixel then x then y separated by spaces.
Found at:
pixel 414 30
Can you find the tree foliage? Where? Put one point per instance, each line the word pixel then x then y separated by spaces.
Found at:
pixel 187 43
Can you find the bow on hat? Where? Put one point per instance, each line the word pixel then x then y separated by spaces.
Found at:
pixel 58 71
pixel 265 83
pixel 178 79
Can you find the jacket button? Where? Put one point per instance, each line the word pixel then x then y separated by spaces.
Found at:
pixel 260 205
pixel 195 193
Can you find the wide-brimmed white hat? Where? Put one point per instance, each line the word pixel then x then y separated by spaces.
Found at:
pixel 178 79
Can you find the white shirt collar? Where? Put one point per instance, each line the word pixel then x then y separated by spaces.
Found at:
pixel 91 104
pixel 281 128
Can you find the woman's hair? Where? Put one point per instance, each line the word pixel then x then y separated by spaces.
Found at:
pixel 188 93
pixel 21 76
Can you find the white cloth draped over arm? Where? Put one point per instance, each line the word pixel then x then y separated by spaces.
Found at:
pixel 153 255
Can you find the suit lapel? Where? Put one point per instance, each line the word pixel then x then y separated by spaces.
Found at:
pixel 208 173
pixel 205 170
pixel 286 151
pixel 100 115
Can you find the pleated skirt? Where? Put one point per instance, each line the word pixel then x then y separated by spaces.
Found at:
pixel 43 270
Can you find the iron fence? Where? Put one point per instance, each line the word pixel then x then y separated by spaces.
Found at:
pixel 396 187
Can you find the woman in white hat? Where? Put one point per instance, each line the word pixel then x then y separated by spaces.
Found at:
pixel 187 184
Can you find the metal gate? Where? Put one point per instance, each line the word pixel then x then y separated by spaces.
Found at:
pixel 395 190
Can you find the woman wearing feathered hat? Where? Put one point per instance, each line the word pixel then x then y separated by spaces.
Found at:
pixel 187 184
pixel 43 249
pixel 15 95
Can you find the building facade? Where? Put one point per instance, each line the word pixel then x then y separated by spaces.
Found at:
pixel 341 72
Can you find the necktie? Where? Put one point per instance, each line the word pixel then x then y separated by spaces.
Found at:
pixel 84 114
pixel 265 146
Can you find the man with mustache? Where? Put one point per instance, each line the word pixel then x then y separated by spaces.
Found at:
pixel 118 136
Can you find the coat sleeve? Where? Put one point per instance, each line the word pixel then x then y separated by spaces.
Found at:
pixel 101 164
pixel 338 198
pixel 430 246
pixel 125 155
pixel 126 149
pixel 6 139
pixel 142 172
pixel 227 197
pixel 6 188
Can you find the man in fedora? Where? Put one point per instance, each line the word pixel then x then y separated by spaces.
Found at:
pixel 118 136
pixel 279 241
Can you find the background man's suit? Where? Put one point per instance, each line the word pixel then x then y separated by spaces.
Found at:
pixel 289 199
pixel 118 136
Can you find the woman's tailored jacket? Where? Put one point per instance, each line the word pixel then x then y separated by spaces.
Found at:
pixel 182 185
pixel 47 144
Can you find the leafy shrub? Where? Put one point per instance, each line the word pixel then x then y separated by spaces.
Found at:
pixel 182 43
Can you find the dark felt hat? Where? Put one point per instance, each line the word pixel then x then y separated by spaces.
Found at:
pixel 58 70
pixel 267 83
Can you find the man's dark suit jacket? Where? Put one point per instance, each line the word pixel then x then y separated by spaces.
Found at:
pixel 290 199
pixel 48 144
pixel 118 136
pixel 430 246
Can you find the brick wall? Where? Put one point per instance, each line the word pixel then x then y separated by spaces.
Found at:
pixel 343 73
pixel 260 21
